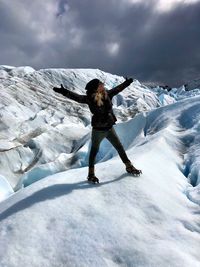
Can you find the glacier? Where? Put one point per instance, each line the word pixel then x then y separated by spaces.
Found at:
pixel 50 215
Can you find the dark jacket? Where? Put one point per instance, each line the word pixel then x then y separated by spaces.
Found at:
pixel 103 117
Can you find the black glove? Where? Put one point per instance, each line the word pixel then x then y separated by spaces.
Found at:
pixel 128 81
pixel 60 90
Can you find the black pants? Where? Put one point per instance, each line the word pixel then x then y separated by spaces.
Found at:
pixel 98 136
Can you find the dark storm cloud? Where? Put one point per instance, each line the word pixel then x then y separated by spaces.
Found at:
pixel 19 43
pixel 119 37
pixel 170 52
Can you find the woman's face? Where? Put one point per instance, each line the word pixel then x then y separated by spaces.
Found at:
pixel 101 88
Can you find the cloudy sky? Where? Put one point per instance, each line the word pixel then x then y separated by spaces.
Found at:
pixel 150 40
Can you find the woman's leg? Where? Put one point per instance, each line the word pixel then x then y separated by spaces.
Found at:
pixel 97 137
pixel 114 140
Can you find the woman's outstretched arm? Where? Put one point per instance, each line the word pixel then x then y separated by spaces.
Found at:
pixel 116 90
pixel 71 95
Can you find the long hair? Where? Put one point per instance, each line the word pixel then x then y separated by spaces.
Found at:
pixel 99 97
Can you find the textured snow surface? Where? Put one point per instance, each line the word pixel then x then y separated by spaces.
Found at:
pixel 5 188
pixel 56 218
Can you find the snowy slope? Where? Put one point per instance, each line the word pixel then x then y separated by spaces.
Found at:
pixel 152 220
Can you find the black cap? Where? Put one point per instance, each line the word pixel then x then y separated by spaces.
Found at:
pixel 92 85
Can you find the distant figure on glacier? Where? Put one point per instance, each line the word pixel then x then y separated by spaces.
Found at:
pixel 99 101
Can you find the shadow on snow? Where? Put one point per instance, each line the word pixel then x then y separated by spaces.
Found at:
pixel 52 192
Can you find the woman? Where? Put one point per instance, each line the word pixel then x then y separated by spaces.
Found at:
pixel 99 101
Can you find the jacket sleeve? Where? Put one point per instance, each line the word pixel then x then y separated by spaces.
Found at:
pixel 119 88
pixel 71 95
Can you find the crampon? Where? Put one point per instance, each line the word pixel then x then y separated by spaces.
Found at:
pixel 132 170
pixel 93 179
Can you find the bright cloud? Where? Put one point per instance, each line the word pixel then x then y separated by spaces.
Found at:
pixel 165 5
pixel 113 48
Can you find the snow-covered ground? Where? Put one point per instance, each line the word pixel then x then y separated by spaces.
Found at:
pixel 58 219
